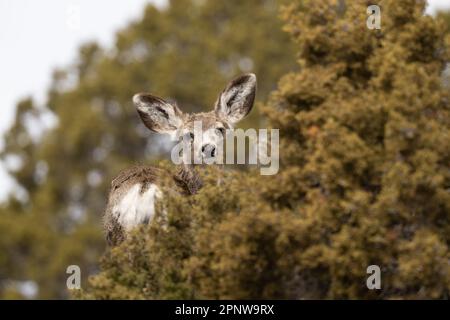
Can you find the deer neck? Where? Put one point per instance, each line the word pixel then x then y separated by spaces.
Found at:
pixel 187 179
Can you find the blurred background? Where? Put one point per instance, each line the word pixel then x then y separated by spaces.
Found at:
pixel 67 125
pixel 69 70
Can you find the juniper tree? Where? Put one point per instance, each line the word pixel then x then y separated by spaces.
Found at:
pixel 363 181
pixel 184 52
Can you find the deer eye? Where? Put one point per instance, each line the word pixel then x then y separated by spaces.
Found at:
pixel 220 131
pixel 189 137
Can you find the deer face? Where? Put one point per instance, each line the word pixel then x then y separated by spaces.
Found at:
pixel 233 104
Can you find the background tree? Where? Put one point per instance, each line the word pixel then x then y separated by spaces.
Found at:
pixel 364 177
pixel 187 52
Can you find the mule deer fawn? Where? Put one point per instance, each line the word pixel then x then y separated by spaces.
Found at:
pixel 134 191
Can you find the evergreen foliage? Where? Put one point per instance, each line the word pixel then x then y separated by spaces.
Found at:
pixel 185 52
pixel 364 177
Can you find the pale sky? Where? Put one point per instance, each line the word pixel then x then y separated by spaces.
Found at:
pixel 37 36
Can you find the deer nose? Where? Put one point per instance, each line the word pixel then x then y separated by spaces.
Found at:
pixel 209 150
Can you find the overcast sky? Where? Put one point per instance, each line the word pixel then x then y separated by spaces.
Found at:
pixel 37 36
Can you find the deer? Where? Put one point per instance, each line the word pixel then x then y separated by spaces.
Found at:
pixel 134 191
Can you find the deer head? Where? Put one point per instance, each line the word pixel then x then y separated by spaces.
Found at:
pixel 233 104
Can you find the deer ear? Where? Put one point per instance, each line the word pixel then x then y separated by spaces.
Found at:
pixel 157 114
pixel 236 100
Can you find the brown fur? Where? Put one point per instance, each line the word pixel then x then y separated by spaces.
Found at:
pixel 232 105
pixel 186 179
